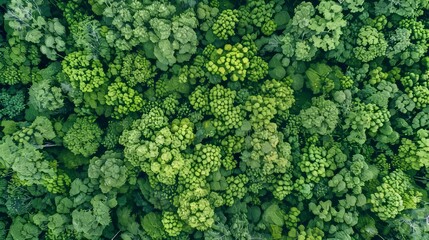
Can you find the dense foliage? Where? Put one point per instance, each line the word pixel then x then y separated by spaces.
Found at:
pixel 214 119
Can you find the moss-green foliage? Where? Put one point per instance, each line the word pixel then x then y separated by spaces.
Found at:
pixel 224 26
pixel 133 68
pixel 214 119
pixel 124 99
pixel 394 195
pixel 109 170
pixel 44 97
pixel 84 136
pixel 321 117
pixel 206 13
pixel 167 35
pixel 38 133
pixel 231 62
pixel 83 72
pixel 370 44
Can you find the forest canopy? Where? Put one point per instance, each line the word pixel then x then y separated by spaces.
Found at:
pixel 214 119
